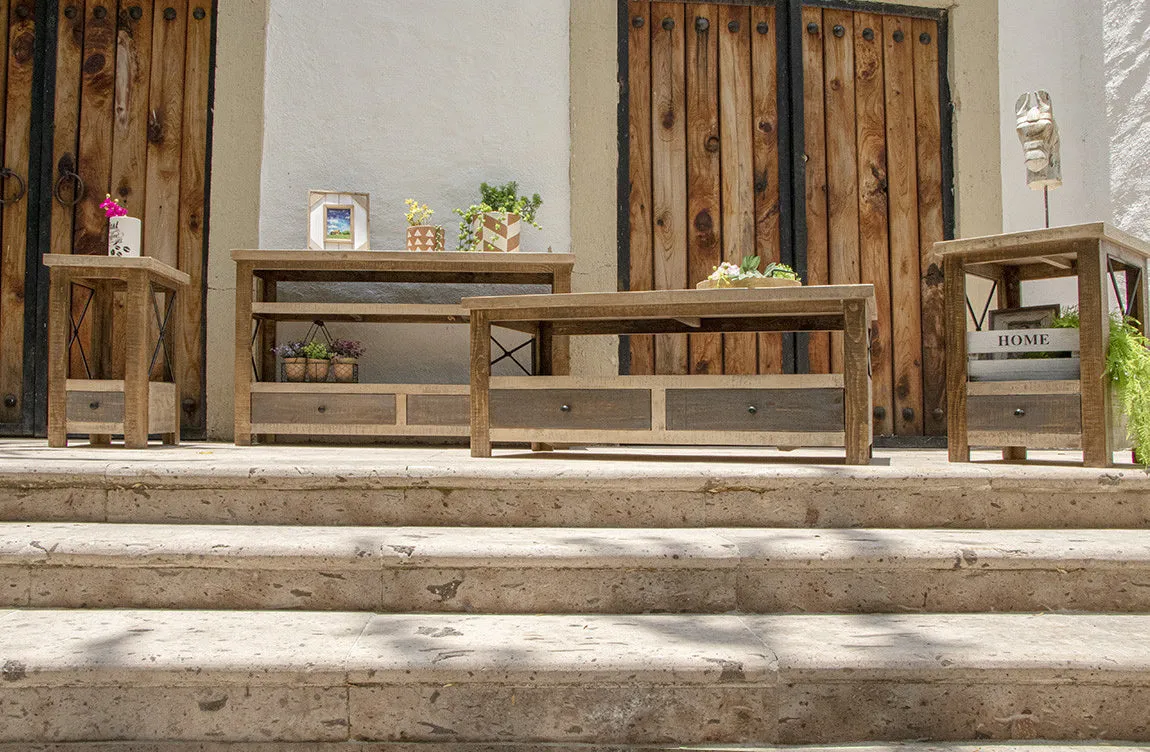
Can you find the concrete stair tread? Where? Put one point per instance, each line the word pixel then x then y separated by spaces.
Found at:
pixel 50 647
pixel 372 548
pixel 359 746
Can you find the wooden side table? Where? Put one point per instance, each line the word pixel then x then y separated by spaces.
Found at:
pixel 1021 413
pixel 766 410
pixel 134 406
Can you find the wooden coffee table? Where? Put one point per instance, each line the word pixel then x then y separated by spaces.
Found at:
pixel 767 410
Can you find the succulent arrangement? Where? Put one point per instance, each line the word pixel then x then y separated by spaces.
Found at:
pixel 727 273
pixel 496 198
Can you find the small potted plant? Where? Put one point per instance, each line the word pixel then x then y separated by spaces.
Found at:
pixel 494 223
pixel 295 362
pixel 318 360
pixel 747 274
pixel 422 236
pixel 124 232
pixel 345 355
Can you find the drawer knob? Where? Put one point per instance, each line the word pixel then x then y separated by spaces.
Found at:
pixel 565 408
pixel 752 409
pixel 322 408
pixel 94 405
pixel 1018 411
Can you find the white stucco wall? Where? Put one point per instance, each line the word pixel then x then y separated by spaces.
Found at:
pixel 1094 59
pixel 398 101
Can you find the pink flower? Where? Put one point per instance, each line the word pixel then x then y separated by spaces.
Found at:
pixel 112 207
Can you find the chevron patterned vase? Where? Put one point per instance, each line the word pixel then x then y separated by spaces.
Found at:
pixel 425 238
pixel 497 232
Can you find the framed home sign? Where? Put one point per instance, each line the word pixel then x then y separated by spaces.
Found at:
pixel 338 221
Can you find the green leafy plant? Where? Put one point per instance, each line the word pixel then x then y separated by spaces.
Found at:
pixel 497 198
pixel 726 272
pixel 316 351
pixel 1128 368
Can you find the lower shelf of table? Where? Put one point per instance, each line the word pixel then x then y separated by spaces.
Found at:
pixel 97 406
pixel 330 409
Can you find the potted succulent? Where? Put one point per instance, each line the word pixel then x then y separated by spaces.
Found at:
pixel 295 362
pixel 747 274
pixel 494 223
pixel 345 355
pixel 422 236
pixel 318 360
pixel 124 232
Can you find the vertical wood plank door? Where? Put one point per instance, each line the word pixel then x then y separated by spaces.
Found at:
pixel 703 166
pixel 860 90
pixel 132 119
pixel 874 196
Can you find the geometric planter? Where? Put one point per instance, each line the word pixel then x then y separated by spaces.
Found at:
pixel 425 238
pixel 497 232
pixel 752 282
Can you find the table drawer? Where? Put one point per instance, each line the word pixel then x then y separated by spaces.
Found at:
pixel 438 410
pixel 599 409
pixel 796 410
pixel 96 407
pixel 323 409
pixel 1032 413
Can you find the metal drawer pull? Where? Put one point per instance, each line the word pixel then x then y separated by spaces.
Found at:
pixel 565 408
pixel 322 408
pixel 94 405
pixel 752 409
pixel 1019 412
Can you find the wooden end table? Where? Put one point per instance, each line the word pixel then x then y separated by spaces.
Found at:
pixel 767 410
pixel 1018 413
pixel 134 406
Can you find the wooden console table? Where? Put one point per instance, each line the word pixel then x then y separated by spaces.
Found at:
pixel 134 406
pixel 268 408
pixel 794 410
pixel 1072 412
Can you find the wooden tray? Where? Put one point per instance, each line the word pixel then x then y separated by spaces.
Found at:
pixel 708 284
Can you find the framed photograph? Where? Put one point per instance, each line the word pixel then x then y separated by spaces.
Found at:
pixel 1030 317
pixel 338 221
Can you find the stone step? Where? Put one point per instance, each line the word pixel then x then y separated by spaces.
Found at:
pixel 230 676
pixel 571 570
pixel 359 746
pixel 664 488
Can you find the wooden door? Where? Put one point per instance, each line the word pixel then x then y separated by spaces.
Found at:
pixel 704 166
pixel 874 198
pixel 704 150
pixel 132 80
pixel 20 20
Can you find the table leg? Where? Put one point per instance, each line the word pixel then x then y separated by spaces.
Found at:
pixel 544 360
pixel 1094 314
pixel 174 336
pixel 954 301
pixel 480 384
pixel 857 384
pixel 561 346
pixel 137 357
pixel 243 356
pixel 59 310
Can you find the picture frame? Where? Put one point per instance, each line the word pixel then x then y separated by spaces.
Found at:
pixel 1028 317
pixel 338 221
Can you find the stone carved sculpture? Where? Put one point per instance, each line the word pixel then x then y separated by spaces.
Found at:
pixel 1039 135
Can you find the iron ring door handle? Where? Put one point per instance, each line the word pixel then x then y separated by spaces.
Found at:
pixel 7 173
pixel 78 189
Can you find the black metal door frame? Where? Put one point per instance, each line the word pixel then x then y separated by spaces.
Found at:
pixel 792 161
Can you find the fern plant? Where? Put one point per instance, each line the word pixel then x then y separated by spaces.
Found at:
pixel 1128 366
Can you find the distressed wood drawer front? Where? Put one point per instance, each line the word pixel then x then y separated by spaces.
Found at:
pixel 602 409
pixel 438 410
pixel 1034 413
pixel 96 407
pixel 800 410
pixel 327 409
